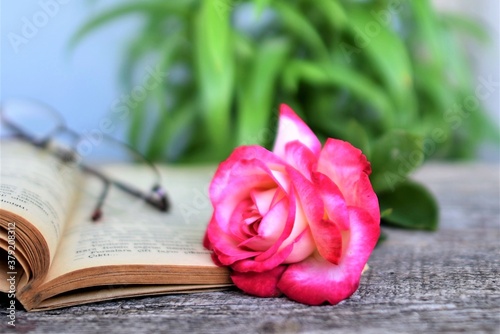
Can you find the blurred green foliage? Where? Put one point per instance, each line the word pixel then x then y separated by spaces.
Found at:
pixel 389 76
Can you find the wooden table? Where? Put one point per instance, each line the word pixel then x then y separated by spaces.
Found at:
pixel 419 282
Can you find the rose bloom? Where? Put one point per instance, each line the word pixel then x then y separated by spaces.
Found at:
pixel 301 220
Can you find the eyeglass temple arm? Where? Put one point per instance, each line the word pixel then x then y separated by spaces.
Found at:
pixel 21 133
pixel 97 213
pixel 18 130
pixel 159 198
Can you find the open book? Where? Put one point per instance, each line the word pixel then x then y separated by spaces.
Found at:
pixel 53 255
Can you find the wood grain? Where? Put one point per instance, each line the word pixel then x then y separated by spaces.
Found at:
pixel 419 282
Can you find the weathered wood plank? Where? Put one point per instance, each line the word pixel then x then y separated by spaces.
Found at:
pixel 419 282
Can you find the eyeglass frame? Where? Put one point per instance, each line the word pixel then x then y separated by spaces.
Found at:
pixel 157 198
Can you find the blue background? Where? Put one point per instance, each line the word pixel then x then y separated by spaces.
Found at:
pixel 80 83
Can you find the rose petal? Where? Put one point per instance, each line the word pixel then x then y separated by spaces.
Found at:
pixel 273 223
pixel 326 233
pixel 328 240
pixel 237 227
pixel 309 199
pixel 301 158
pixel 230 259
pixel 278 173
pixel 363 196
pixel 310 212
pixel 315 281
pixel 230 166
pixel 333 200
pixel 349 169
pixel 217 239
pixel 259 284
pixel 263 199
pixel 287 229
pixel 269 262
pixel 270 228
pixel 246 176
pixel 292 128
pixel 224 245
pixel 272 257
pixel 303 247
pixel 281 256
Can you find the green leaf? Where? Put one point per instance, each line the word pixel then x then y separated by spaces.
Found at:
pixel 458 74
pixel 413 207
pixel 215 66
pixel 374 38
pixel 355 134
pixel 137 49
pixel 260 5
pixel 393 157
pixel 137 112
pixel 302 28
pixel 334 13
pixel 343 77
pixel 146 7
pixel 381 239
pixel 151 41
pixel 257 91
pixel 162 134
pixel 427 39
pixel 372 86
pixel 154 86
pixel 171 136
pixel 244 47
pixel 385 212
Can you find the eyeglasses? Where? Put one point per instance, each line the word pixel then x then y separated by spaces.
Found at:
pixel 43 127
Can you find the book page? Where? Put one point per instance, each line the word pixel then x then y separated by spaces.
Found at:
pixel 132 233
pixel 37 186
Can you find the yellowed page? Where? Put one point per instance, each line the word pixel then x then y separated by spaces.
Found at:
pixel 132 233
pixel 38 187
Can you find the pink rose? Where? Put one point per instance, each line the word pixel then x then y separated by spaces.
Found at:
pixel 301 220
